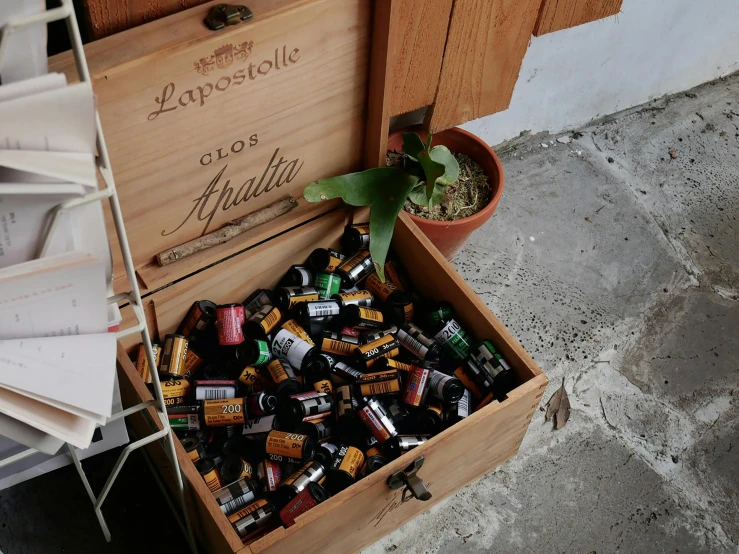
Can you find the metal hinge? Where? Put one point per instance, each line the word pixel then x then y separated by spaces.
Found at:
pixel 414 487
pixel 221 15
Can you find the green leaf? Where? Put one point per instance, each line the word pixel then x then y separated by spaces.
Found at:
pixel 412 167
pixel 444 156
pixel 412 145
pixel 428 141
pixel 433 171
pixel 418 195
pixel 383 189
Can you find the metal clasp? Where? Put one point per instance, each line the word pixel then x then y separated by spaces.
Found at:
pixel 221 15
pixel 414 487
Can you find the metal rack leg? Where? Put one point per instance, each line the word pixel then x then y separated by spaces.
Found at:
pixel 165 492
pixel 17 457
pixel 98 501
pixel 181 490
pixel 131 273
pixel 88 488
pixel 136 305
pixel 169 439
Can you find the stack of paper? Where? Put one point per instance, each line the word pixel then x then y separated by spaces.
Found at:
pixel 25 55
pixel 57 359
pixel 47 159
pixel 104 438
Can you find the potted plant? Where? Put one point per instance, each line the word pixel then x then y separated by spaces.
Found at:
pixel 484 173
pixel 423 176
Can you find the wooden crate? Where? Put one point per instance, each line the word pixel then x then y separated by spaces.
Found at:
pixel 368 510
pixel 196 142
pixel 316 110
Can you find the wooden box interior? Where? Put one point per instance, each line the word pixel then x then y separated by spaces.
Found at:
pixel 454 457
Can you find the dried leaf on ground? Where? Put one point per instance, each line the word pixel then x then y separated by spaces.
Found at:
pixel 553 404
pixel 558 407
pixel 563 413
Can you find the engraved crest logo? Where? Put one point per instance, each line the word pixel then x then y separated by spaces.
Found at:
pixel 223 56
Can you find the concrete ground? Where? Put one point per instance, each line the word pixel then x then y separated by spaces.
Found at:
pixel 616 264
pixel 614 258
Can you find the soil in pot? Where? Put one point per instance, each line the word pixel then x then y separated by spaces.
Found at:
pixel 470 194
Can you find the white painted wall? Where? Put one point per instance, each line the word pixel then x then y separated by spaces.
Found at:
pixel 652 48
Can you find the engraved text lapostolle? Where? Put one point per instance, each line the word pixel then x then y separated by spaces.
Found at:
pixel 219 194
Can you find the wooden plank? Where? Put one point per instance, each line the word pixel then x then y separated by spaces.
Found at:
pixel 234 279
pixel 106 17
pixel 245 115
pixel 162 34
pixel 129 320
pixel 370 510
pixel 209 523
pixel 155 277
pixel 384 36
pixel 486 44
pixel 420 37
pixel 556 15
pixel 421 28
pixel 151 276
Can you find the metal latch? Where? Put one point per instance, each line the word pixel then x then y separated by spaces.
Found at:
pixel 221 15
pixel 414 487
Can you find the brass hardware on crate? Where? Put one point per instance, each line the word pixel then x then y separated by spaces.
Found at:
pixel 221 15
pixel 414 487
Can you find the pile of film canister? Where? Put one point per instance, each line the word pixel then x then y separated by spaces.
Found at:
pixel 298 392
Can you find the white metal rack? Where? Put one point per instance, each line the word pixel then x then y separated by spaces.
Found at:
pixel 133 297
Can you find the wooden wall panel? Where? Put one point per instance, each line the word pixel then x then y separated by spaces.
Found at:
pixel 485 47
pixel 420 36
pixel 384 35
pixel 106 17
pixel 556 15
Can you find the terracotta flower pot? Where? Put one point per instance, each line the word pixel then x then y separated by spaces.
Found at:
pixel 450 236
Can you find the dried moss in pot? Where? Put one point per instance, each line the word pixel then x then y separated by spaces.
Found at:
pixel 469 194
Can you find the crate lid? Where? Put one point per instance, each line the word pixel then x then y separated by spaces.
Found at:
pixel 204 127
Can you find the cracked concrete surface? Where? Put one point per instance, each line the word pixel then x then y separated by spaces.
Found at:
pixel 616 264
